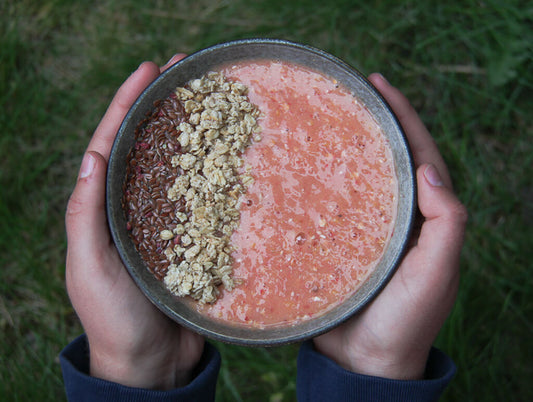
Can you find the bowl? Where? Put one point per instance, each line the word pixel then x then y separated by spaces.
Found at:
pixel 194 66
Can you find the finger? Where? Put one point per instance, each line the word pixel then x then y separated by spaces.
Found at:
pixel 173 60
pixel 442 235
pixel 126 95
pixel 421 142
pixel 85 217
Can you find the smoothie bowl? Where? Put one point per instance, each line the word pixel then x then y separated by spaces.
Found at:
pixel 260 192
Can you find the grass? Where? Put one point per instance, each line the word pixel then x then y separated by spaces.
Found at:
pixel 465 65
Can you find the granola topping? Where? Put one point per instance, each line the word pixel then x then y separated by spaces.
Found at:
pixel 220 124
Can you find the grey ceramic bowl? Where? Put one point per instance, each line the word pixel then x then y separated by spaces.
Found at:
pixel 196 65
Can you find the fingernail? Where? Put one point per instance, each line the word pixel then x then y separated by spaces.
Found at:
pixel 432 176
pixel 169 60
pixel 87 165
pixel 383 78
pixel 139 66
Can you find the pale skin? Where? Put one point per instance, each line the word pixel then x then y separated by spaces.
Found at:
pixel 134 344
pixel 393 336
pixel 130 341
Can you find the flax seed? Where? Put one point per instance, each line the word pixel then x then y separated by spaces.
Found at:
pixel 173 226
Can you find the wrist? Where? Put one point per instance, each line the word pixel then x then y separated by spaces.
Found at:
pixel 160 370
pixel 391 365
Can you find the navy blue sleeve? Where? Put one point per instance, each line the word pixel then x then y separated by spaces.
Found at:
pixel 321 379
pixel 80 386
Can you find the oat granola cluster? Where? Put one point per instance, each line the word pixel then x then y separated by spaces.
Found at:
pixel 221 123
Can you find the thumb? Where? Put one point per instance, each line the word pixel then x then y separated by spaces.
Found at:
pixel 445 216
pixel 441 238
pixel 85 217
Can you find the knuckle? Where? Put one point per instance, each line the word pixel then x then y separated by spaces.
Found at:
pixel 459 214
pixel 75 207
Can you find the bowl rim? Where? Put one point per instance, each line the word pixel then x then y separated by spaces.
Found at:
pixel 229 333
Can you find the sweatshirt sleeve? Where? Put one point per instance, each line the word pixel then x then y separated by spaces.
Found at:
pixel 80 386
pixel 321 379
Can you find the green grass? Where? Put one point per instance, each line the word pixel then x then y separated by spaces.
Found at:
pixel 467 66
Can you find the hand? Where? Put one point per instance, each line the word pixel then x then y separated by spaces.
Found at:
pixel 131 342
pixel 392 337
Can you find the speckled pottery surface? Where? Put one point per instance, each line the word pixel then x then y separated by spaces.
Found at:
pixel 195 66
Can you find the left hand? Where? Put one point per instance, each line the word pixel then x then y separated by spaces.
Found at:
pixel 131 342
pixel 392 336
